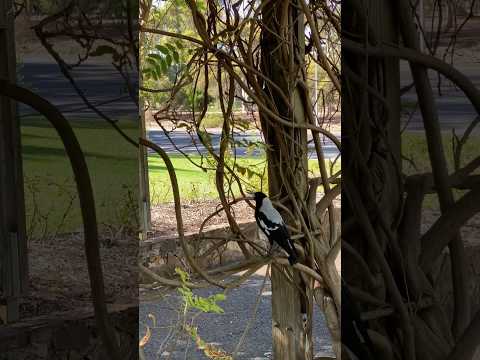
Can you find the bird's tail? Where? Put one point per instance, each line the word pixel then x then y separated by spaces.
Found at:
pixel 293 256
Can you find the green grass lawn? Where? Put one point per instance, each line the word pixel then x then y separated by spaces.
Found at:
pixel 414 148
pixel 49 184
pixel 196 184
pixel 113 166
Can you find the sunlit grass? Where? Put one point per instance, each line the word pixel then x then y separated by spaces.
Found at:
pixel 196 184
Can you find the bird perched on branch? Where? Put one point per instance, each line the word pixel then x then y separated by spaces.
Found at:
pixel 272 225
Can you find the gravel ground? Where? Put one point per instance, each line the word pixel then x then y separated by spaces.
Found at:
pixel 224 330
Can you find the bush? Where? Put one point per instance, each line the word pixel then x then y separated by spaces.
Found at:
pixel 213 121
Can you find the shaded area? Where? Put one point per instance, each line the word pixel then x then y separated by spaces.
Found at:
pixel 49 184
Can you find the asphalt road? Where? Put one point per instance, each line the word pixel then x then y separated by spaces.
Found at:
pixel 101 84
pixel 184 142
pixel 455 110
pixel 224 330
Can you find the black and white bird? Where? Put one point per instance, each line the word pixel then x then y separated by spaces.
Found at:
pixel 272 225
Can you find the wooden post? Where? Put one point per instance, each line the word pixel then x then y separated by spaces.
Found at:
pixel 145 206
pixel 421 24
pixel 13 245
pixel 144 179
pixel 292 340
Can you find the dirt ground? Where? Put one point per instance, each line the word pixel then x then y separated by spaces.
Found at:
pixel 62 283
pixel 59 278
pixel 164 222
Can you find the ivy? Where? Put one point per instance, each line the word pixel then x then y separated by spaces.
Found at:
pixel 206 305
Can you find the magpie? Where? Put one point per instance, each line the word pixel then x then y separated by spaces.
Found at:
pixel 272 225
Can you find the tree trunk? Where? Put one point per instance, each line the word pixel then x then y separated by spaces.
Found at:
pixel 372 176
pixel 382 214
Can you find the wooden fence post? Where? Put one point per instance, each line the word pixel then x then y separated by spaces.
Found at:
pixel 13 245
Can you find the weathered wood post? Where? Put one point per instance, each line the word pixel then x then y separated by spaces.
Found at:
pixel 13 244
pixel 145 206
pixel 291 339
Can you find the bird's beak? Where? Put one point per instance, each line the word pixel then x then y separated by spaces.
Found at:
pixel 250 196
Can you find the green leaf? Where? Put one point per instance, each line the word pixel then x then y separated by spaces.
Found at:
pixel 151 62
pixel 147 73
pixel 219 297
pixel 168 60
pixel 170 46
pixel 163 66
pixel 162 49
pixel 157 57
pixel 176 56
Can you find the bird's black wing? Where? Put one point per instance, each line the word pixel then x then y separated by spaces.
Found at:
pixel 275 232
pixel 266 225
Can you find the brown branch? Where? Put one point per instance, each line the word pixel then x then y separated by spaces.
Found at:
pixel 178 211
pixel 316 38
pixel 327 199
pixel 468 343
pixel 170 34
pixel 439 166
pixel 371 237
pixel 169 282
pixel 449 223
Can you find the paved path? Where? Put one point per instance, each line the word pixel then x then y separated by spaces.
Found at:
pixel 224 330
